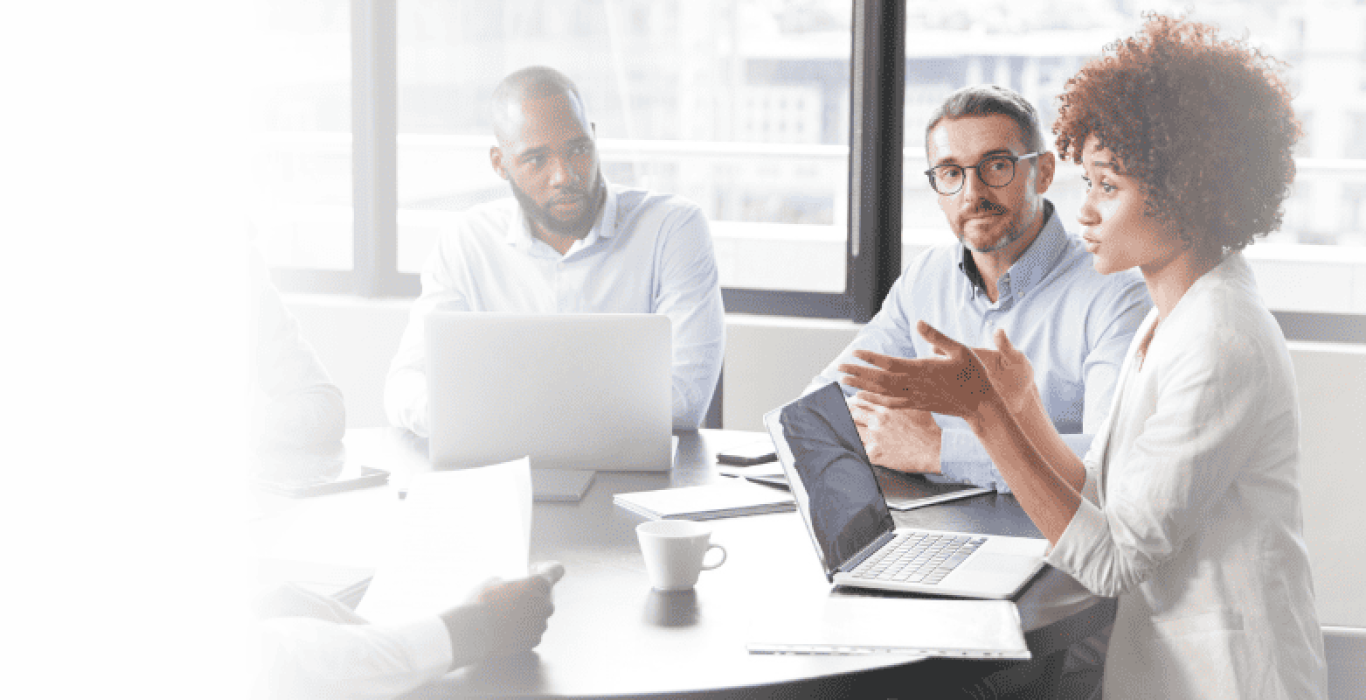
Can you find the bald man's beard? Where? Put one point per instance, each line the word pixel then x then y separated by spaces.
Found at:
pixel 576 227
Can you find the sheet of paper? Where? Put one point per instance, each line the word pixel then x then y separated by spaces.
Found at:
pixel 346 529
pixel 455 530
pixel 841 625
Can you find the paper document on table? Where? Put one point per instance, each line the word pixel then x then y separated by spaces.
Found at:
pixel 347 530
pixel 849 625
pixel 453 531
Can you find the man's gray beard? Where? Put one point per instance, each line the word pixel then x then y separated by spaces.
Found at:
pixel 1012 234
pixel 576 228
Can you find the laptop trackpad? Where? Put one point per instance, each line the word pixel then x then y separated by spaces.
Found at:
pixel 1004 566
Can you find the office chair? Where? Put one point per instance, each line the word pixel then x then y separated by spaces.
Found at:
pixel 712 419
pixel 1345 649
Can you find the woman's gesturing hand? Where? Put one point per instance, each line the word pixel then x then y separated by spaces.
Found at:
pixel 1010 372
pixel 955 383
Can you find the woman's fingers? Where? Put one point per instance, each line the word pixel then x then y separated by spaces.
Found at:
pixel 882 400
pixel 1004 345
pixel 941 343
pixel 876 359
pixel 865 378
pixel 877 386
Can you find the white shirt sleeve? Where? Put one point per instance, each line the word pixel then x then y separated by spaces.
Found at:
pixel 310 658
pixel 405 388
pixel 295 403
pixel 689 293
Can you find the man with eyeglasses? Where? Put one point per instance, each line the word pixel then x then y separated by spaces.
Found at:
pixel 1014 267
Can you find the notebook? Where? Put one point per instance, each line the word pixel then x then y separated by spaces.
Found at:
pixel 572 391
pixel 902 491
pixel 843 625
pixel 566 485
pixel 726 499
pixel 856 540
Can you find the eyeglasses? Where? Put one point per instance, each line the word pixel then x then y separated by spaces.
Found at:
pixel 995 171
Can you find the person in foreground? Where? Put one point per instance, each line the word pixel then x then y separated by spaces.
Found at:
pixel 1187 506
pixel 567 241
pixel 295 406
pixel 1013 266
pixel 314 646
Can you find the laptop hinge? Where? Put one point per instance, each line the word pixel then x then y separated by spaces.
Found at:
pixel 853 562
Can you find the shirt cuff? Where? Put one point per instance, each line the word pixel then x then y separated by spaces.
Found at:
pixel 405 401
pixel 430 642
pixel 1075 548
pixel 312 657
pixel 963 459
pixel 1090 487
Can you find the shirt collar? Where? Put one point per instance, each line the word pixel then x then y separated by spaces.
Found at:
pixel 1033 265
pixel 519 234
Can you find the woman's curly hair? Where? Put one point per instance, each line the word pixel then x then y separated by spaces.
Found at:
pixel 1204 124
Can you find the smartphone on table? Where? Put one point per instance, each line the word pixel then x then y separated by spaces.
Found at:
pixel 348 480
pixel 748 454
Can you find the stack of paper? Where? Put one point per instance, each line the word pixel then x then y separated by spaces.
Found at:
pixel 858 625
pixel 723 500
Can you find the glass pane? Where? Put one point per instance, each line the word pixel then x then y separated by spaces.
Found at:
pixel 301 114
pixel 1031 47
pixel 741 106
pixel 1034 47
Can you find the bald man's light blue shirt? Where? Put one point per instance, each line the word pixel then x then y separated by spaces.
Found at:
pixel 1073 323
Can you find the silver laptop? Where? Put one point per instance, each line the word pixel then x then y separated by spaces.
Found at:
pixel 856 539
pixel 572 391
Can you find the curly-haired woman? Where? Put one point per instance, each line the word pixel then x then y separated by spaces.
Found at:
pixel 1187 507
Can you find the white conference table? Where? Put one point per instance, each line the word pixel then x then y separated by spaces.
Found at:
pixel 613 636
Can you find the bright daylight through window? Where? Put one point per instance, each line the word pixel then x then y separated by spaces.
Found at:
pixel 1316 263
pixel 743 106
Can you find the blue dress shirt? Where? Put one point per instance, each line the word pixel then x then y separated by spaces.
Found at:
pixel 1073 323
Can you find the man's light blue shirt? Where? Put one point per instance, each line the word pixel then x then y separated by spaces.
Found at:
pixel 1073 323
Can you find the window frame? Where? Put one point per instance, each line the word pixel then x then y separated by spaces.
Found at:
pixel 873 248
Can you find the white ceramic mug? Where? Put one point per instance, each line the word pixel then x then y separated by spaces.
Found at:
pixel 674 550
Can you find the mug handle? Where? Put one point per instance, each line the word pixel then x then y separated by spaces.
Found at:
pixel 723 556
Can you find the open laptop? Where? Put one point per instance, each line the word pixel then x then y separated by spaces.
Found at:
pixel 572 391
pixel 856 539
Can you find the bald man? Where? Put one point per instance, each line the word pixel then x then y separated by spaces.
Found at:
pixel 567 241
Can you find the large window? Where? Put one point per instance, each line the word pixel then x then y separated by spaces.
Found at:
pixel 301 112
pixel 749 108
pixel 739 105
pixel 1315 264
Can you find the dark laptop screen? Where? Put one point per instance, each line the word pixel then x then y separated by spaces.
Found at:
pixel 830 475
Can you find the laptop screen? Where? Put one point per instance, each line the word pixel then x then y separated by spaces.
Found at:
pixel 830 475
pixel 572 391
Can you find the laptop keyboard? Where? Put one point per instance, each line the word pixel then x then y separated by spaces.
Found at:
pixel 919 557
